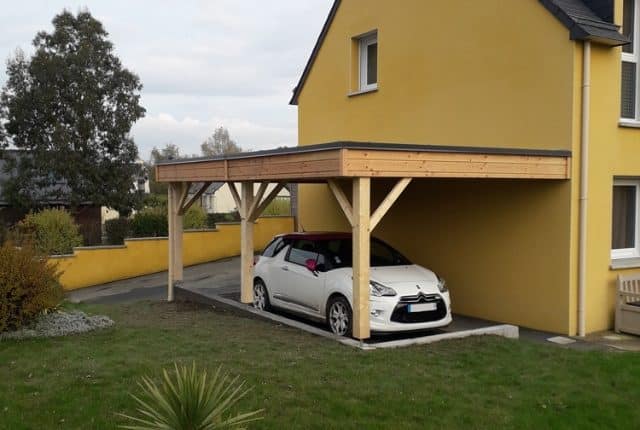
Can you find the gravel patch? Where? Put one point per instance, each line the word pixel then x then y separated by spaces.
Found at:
pixel 60 324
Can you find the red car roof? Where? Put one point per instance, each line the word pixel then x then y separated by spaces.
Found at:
pixel 317 235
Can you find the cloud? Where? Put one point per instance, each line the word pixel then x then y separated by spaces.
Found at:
pixel 188 133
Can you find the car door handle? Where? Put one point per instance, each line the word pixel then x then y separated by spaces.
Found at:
pixel 285 268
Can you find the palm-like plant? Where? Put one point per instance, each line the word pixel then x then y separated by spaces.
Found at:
pixel 189 400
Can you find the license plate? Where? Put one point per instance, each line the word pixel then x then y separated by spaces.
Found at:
pixel 422 307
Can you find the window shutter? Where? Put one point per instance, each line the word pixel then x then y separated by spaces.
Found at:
pixel 628 90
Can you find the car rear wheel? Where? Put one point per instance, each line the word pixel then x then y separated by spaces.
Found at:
pixel 340 316
pixel 260 296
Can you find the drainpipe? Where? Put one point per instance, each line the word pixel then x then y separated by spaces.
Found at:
pixel 584 188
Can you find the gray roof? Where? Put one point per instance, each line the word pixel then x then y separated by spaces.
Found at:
pixel 588 20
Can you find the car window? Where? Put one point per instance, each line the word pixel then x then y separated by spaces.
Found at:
pixel 339 254
pixel 274 247
pixel 301 251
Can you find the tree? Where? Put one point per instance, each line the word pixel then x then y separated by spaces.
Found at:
pixel 219 143
pixel 71 106
pixel 169 152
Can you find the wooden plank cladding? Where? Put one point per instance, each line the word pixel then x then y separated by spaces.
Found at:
pixel 391 164
pixel 318 163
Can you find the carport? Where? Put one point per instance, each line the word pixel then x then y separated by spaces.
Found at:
pixel 335 164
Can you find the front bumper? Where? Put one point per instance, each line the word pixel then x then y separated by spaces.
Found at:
pixel 390 314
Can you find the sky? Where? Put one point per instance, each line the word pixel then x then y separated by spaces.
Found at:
pixel 203 63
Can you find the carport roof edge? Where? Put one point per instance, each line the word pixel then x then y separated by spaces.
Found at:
pixel 317 163
pixel 378 146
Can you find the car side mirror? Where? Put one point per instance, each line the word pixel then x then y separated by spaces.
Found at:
pixel 311 265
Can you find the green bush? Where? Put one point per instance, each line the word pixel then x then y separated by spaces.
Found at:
pixel 190 400
pixel 195 218
pixel 150 222
pixel 51 231
pixel 280 206
pixel 28 286
pixel 213 219
pixel 117 230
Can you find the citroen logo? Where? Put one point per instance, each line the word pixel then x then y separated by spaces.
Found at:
pixel 418 286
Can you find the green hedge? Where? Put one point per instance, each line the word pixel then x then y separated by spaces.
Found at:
pixel 150 222
pixel 117 230
pixel 28 286
pixel 51 232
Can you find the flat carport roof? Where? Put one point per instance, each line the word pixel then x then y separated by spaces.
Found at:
pixel 327 163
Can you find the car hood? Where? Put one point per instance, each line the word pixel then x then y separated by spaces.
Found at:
pixel 406 279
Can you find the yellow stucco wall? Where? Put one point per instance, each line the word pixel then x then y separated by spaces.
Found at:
pixel 455 73
pixel 94 266
pixel 614 151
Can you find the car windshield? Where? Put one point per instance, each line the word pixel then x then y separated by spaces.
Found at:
pixel 338 254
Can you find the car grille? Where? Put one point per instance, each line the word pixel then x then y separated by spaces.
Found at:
pixel 401 315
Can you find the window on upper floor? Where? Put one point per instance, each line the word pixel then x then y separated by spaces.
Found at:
pixel 630 57
pixel 625 238
pixel 368 50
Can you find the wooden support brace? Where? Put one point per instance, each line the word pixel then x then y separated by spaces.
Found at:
pixel 342 199
pixel 236 197
pixel 185 207
pixel 256 200
pixel 388 202
pixel 183 190
pixel 272 195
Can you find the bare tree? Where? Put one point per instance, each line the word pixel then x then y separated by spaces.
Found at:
pixel 219 143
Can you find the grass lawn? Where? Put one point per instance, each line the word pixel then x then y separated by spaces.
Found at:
pixel 305 382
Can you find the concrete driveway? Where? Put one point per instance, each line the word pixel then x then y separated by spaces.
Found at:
pixel 219 277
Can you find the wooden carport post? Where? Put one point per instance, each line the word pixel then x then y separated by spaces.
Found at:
pixel 362 224
pixel 361 251
pixel 177 193
pixel 249 207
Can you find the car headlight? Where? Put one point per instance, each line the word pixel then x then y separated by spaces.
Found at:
pixel 379 290
pixel 442 285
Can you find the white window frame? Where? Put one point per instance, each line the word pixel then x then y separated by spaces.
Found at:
pixel 363 45
pixel 617 254
pixel 634 57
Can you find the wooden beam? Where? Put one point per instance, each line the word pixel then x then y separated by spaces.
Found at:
pixel 361 257
pixel 236 197
pixel 266 201
pixel 185 207
pixel 256 200
pixel 386 204
pixel 246 245
pixel 342 199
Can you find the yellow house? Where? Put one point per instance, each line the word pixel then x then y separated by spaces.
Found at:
pixel 501 75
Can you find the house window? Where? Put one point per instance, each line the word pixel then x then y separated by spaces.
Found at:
pixel 625 239
pixel 630 57
pixel 368 48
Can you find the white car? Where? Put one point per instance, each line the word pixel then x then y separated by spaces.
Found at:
pixel 311 274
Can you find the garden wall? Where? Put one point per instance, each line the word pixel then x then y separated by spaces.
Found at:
pixel 90 266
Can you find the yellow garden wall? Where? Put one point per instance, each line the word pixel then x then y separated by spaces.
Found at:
pixel 98 265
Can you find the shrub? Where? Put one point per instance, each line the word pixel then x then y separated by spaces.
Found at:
pixel 28 286
pixel 150 222
pixel 195 218
pixel 215 218
pixel 117 230
pixel 52 232
pixel 278 207
pixel 190 400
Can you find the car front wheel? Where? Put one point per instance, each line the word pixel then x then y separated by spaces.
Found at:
pixel 260 296
pixel 340 316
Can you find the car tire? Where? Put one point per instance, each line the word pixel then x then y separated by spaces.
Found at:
pixel 260 296
pixel 340 316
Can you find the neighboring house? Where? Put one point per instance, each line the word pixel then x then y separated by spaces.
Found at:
pixel 88 216
pixel 218 198
pixel 500 75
